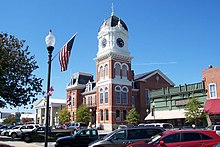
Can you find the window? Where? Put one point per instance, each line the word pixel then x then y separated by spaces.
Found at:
pixel 191 136
pixel 101 96
pixel 132 101
pixel 73 101
pixel 118 95
pixel 124 71
pixel 106 71
pixel 121 135
pixel 212 90
pixel 106 114
pixel 101 115
pixel 117 69
pixel 118 115
pixel 124 114
pixel 172 138
pixel 84 100
pixel 73 116
pixel 125 95
pixel 101 72
pixel 106 95
pixel 146 96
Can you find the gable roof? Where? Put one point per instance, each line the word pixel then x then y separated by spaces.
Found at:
pixel 147 75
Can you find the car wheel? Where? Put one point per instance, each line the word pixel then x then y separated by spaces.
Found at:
pixel 27 139
pixel 6 134
pixel 13 135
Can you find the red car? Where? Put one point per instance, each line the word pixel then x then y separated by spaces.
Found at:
pixel 181 138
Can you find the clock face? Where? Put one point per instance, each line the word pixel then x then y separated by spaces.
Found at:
pixel 104 42
pixel 120 42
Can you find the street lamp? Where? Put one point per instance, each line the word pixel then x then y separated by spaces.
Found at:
pixel 50 41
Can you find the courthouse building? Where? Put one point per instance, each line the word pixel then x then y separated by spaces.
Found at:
pixel 116 88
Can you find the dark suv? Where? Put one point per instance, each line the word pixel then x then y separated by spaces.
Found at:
pixel 123 137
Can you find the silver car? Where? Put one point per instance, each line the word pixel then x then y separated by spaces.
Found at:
pixel 123 137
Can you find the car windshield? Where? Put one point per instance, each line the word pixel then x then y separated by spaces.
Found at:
pixel 154 138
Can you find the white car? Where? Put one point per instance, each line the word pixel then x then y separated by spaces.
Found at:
pixel 24 128
pixel 6 131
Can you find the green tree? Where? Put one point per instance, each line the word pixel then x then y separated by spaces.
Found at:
pixel 18 84
pixel 64 116
pixel 10 119
pixel 194 112
pixel 83 114
pixel 133 117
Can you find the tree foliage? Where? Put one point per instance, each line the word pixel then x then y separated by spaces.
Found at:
pixel 64 116
pixel 18 85
pixel 83 114
pixel 133 117
pixel 10 119
pixel 194 112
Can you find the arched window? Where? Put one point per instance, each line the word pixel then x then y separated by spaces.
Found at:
pixel 124 71
pixel 106 71
pixel 106 95
pixel 101 72
pixel 101 96
pixel 118 95
pixel 125 95
pixel 106 114
pixel 101 115
pixel 117 69
pixel 124 114
pixel 118 116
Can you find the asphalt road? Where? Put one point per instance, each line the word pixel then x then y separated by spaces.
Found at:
pixel 18 143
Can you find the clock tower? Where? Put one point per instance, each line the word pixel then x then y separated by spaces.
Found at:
pixel 113 73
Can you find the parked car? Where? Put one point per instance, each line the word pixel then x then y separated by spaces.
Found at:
pixel 216 128
pixel 3 127
pixel 38 134
pixel 166 126
pixel 183 138
pixel 81 138
pixel 16 133
pixel 77 126
pixel 122 137
pixel 6 131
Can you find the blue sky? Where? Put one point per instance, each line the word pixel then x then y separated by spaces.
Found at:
pixel 179 37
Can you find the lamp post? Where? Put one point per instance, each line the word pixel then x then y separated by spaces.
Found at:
pixel 50 41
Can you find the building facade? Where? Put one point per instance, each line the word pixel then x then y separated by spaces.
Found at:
pixel 211 78
pixel 55 105
pixel 116 88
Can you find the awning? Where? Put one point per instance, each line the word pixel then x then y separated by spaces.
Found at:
pixel 166 114
pixel 212 106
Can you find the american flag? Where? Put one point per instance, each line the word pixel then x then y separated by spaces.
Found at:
pixel 65 53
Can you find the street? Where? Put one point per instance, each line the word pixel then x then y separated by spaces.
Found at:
pixel 18 143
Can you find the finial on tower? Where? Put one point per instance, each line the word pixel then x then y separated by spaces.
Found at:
pixel 112 9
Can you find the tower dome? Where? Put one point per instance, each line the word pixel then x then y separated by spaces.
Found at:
pixel 113 21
